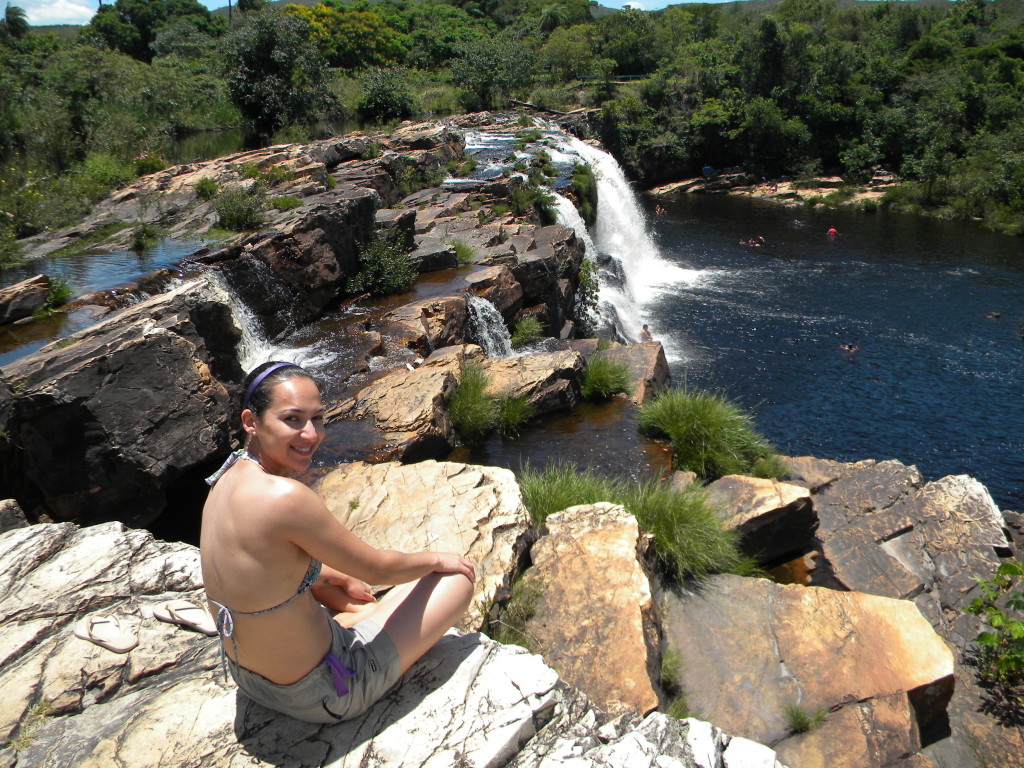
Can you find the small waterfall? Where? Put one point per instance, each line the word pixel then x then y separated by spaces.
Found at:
pixel 487 327
pixel 254 348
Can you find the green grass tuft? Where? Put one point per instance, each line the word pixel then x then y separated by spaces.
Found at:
pixel 688 537
pixel 710 435
pixel 770 466
pixel 464 252
pixel 799 720
pixel 604 377
pixel 513 412
pixel 510 627
pixel 474 412
pixel 527 331
pixel 206 188
pixel 239 209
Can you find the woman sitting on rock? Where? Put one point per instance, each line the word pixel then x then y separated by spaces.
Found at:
pixel 273 556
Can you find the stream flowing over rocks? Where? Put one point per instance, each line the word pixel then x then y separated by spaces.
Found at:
pixel 113 428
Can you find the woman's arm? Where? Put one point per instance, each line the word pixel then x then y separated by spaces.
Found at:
pixel 304 520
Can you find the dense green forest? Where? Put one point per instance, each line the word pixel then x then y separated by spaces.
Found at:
pixel 931 91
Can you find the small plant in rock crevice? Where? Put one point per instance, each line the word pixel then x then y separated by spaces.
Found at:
pixel 239 209
pixel 510 626
pixel 476 413
pixel 800 720
pixel 1000 656
pixel 527 331
pixel 385 268
pixel 57 295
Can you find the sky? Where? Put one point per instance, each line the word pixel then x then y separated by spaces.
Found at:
pixel 43 12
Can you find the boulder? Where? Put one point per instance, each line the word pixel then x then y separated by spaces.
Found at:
pixel 550 381
pixel 440 506
pixel 648 368
pixel 593 614
pixel 408 407
pixel 20 300
pixel 433 254
pixel 750 647
pixel 397 225
pixel 499 286
pixel 430 324
pixel 11 516
pixel 773 519
pixel 106 424
pixel 70 704
pixel 537 272
pixel 812 473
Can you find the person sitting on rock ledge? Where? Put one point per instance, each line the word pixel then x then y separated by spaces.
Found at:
pixel 264 537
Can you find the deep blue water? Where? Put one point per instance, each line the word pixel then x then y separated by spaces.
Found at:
pixel 933 382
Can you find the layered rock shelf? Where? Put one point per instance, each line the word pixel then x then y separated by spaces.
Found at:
pixel 113 428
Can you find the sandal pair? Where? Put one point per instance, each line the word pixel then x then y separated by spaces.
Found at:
pixel 105 629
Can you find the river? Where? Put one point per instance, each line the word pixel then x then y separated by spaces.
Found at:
pixel 936 378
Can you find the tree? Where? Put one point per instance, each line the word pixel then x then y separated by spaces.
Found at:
pixel 553 16
pixel 14 24
pixel 489 70
pixel 275 77
pixel 131 26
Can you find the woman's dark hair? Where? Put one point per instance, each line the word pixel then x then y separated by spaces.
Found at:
pixel 261 379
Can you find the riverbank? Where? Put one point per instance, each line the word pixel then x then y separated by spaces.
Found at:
pixel 825 191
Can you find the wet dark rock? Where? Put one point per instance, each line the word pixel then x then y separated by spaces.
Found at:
pixel 433 254
pixel 11 516
pixel 397 226
pixel 103 425
pixel 499 286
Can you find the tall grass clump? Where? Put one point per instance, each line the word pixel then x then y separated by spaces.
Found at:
pixel 604 377
pixel 688 536
pixel 513 412
pixel 800 720
pixel 527 331
pixel 474 412
pixel 710 435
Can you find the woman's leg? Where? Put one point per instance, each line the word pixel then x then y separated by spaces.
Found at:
pixel 417 614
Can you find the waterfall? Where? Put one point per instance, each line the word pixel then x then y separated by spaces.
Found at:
pixel 254 348
pixel 487 327
pixel 622 235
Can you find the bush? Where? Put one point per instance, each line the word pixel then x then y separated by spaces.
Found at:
pixel 148 163
pixel 384 268
pixel 689 538
pixel 58 294
pixel 239 209
pixel 285 202
pixel 583 191
pixel 143 236
pixel 710 435
pixel 604 377
pixel 206 188
pixel 386 96
pixel 1000 654
pixel 527 331
pixel 464 252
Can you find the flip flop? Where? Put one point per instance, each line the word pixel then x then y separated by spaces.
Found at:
pixel 186 614
pixel 105 631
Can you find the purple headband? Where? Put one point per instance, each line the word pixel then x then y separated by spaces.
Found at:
pixel 259 380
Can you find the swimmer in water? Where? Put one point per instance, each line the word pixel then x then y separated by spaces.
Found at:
pixel 848 347
pixel 832 232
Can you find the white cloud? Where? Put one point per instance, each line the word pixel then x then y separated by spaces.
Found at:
pixel 43 12
pixel 636 5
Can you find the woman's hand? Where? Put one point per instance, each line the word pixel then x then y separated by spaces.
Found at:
pixel 450 562
pixel 340 592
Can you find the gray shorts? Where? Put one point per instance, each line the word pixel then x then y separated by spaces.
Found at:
pixel 365 649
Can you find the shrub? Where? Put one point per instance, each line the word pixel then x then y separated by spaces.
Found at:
pixel 206 188
pixel 99 173
pixel 1001 647
pixel 799 720
pixel 709 434
pixel 604 377
pixel 10 251
pixel 688 537
pixel 384 268
pixel 285 202
pixel 239 209
pixel 386 96
pixel 513 412
pixel 58 294
pixel 143 236
pixel 464 252
pixel 270 176
pixel 474 412
pixel 147 162
pixel 527 331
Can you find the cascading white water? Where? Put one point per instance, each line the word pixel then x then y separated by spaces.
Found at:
pixel 621 232
pixel 254 348
pixel 487 327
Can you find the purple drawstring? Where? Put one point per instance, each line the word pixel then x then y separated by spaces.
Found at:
pixel 338 673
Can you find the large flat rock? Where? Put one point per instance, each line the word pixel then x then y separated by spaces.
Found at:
pixel 440 506
pixel 751 647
